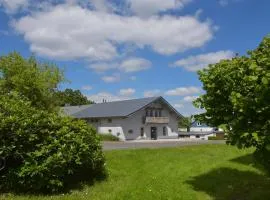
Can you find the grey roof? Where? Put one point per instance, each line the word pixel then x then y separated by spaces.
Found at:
pixel 70 110
pixel 112 109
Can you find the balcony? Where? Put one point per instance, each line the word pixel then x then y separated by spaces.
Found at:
pixel 157 120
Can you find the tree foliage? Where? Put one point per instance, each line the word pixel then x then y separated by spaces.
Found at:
pixel 71 97
pixel 43 150
pixel 238 96
pixel 185 122
pixel 34 80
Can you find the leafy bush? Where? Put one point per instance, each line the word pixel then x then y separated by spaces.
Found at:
pixel 108 137
pixel 212 138
pixel 44 151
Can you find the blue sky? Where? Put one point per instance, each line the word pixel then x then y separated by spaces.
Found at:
pixel 126 49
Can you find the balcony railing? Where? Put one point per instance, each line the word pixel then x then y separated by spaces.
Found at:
pixel 157 120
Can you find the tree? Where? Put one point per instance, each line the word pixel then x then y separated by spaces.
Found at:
pixel 238 97
pixel 185 122
pixel 71 97
pixel 32 79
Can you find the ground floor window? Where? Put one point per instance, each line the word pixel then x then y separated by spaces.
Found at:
pixel 130 131
pixel 164 131
pixel 142 131
pixel 197 136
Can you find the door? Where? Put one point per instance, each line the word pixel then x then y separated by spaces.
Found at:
pixel 154 133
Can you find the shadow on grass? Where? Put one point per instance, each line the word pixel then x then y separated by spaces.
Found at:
pixel 75 182
pixel 250 161
pixel 228 183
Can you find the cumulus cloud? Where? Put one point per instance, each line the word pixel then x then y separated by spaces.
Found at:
pixel 135 64
pixel 99 97
pixel 111 79
pixel 80 33
pixel 152 93
pixel 128 65
pixel 190 98
pixel 133 78
pixel 223 2
pixel 102 67
pixel 178 106
pixel 127 92
pixel 182 91
pixel 87 87
pixel 195 63
pixel 146 8
pixel 12 6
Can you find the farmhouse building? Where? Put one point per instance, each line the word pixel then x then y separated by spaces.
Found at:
pixel 146 118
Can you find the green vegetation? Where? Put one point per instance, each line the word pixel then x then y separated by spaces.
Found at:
pixel 213 138
pixel 194 172
pixel 71 97
pixel 44 151
pixel 33 80
pixel 108 137
pixel 185 122
pixel 237 97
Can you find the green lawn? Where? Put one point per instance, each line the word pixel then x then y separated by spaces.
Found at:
pixel 193 172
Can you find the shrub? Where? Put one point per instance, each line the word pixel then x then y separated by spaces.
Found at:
pixel 44 151
pixel 215 138
pixel 108 137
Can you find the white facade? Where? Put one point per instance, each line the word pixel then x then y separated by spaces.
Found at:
pixel 135 126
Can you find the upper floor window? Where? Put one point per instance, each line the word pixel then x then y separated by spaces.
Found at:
pixel 199 124
pixel 151 113
pixel 109 120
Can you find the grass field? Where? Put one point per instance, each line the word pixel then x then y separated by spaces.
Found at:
pixel 193 172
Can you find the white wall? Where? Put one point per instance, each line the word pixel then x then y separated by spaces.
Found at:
pixel 201 129
pixel 120 126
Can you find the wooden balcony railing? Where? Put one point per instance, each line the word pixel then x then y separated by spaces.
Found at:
pixel 157 120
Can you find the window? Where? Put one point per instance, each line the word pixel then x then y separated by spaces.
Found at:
pixel 151 113
pixel 110 130
pixel 142 131
pixel 199 124
pixel 164 131
pixel 96 120
pixel 159 113
pixel 147 113
pixel 197 136
pixel 109 120
pixel 130 131
pixel 118 134
pixel 156 113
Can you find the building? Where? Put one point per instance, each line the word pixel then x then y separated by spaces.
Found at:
pixel 146 118
pixel 201 131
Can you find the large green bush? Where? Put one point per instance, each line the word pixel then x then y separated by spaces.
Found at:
pixel 44 151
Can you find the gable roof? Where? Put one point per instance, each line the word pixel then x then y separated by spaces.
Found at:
pixel 113 109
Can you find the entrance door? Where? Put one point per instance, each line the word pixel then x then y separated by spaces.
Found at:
pixel 154 133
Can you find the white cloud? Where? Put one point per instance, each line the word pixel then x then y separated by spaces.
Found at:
pixel 133 78
pixel 189 98
pixel 223 2
pixel 127 92
pixel 152 93
pixel 12 6
pixel 135 64
pixel 80 33
pixel 111 79
pixel 102 67
pixel 194 63
pixel 127 66
pixel 182 91
pixel 178 106
pixel 99 97
pixel 146 8
pixel 87 87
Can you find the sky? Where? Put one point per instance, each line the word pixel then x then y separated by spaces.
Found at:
pixel 124 49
